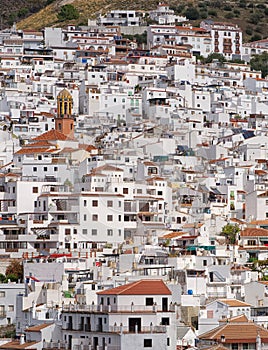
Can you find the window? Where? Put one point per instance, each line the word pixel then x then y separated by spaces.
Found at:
pixel 119 204
pixel 55 168
pixel 94 217
pixel 34 168
pixel 119 217
pixel 204 262
pixel 147 343
pixel 10 307
pixel 119 232
pixel 251 242
pixel 125 190
pixel 84 231
pixel 35 189
pixel 149 301
pixel 165 321
pixel 85 203
pixel 168 342
pixel 94 203
pixel 109 218
pixel 2 294
pixel 85 217
pixel 109 204
pixel 94 232
pixel 109 232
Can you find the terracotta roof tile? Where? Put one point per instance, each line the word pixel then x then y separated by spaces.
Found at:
pixel 34 150
pixel 52 135
pixel 106 167
pixel 38 327
pixel 174 235
pixel 239 330
pixel 142 287
pixel 16 345
pixel 254 232
pixel 259 222
pixel 234 302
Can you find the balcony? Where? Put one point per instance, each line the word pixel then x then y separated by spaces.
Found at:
pixel 145 329
pixel 55 345
pixel 67 326
pixel 11 237
pixel 115 308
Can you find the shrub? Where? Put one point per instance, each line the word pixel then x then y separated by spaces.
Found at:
pixel 236 12
pixel 255 37
pixel 192 13
pixel 180 8
pixel 68 12
pixel 22 12
pixel 259 62
pixel 242 4
pixel 14 271
pixel 212 13
pixel 227 8
pixel 215 56
pixel 229 15
pixel 203 14
pixel 254 18
pixel 249 31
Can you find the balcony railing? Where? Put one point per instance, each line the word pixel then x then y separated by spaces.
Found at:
pixel 116 308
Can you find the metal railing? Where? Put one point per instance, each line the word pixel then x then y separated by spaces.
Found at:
pixel 116 308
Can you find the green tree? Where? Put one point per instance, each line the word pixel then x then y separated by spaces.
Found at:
pixel 260 62
pixel 14 271
pixel 68 12
pixel 230 232
pixel 229 15
pixel 215 56
pixel 254 18
pixel 255 37
pixel 213 13
pixel 192 13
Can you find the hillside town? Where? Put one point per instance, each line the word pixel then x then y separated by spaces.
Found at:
pixel 133 186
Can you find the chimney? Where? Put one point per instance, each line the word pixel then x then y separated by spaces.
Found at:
pixel 22 339
pixel 258 341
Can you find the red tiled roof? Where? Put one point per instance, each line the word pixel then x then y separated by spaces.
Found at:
pixel 38 327
pixel 237 330
pixel 16 345
pixel 87 147
pixel 41 143
pixel 38 150
pixel 259 222
pixel 52 135
pixel 142 287
pixel 233 302
pixel 106 167
pixel 254 232
pixel 174 235
pixel 260 172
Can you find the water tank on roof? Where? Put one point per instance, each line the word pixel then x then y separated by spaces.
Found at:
pixel 190 292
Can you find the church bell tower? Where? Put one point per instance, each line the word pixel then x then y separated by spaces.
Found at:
pixel 64 122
